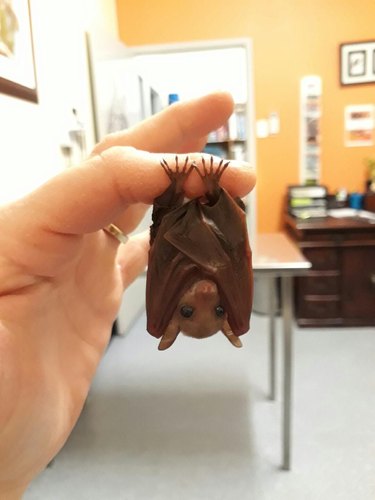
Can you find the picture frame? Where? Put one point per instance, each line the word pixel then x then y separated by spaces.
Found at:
pixel 357 63
pixel 17 64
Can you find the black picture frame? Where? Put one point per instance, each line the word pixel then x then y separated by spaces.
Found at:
pixel 17 60
pixel 357 63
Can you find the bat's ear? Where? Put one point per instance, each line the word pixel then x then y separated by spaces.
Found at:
pixel 233 339
pixel 170 335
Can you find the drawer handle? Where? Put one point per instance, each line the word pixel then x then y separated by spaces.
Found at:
pixel 372 279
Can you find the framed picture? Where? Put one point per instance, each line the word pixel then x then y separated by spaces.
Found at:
pixel 17 68
pixel 357 63
pixel 359 125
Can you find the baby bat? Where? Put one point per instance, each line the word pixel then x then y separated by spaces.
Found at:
pixel 199 277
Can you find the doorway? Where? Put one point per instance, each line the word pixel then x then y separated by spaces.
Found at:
pixel 217 64
pixel 133 83
pixel 136 83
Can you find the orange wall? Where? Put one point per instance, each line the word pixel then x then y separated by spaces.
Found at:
pixel 291 38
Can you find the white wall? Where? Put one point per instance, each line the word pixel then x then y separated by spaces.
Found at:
pixel 118 97
pixel 192 73
pixel 31 134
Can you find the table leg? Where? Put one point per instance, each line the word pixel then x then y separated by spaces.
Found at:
pixel 287 310
pixel 272 340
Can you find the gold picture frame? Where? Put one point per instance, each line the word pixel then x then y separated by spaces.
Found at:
pixel 17 65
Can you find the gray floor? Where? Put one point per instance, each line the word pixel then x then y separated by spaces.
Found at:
pixel 195 423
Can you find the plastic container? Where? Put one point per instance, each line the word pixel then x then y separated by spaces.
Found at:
pixel 356 201
pixel 172 98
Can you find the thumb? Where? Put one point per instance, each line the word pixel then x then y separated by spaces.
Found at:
pixel 132 257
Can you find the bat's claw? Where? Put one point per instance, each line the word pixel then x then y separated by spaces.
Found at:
pixel 179 174
pixel 211 176
pixel 233 339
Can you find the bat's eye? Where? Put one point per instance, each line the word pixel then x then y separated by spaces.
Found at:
pixel 219 311
pixel 186 311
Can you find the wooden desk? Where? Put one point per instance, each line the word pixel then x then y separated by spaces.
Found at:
pixel 276 256
pixel 340 288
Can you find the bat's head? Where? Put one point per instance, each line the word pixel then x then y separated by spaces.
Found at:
pixel 199 314
pixel 199 311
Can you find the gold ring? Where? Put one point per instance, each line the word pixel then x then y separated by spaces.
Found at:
pixel 116 233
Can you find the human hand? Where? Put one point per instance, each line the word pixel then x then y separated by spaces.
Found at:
pixel 62 277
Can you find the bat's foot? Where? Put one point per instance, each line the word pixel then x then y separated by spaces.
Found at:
pixel 211 176
pixel 178 175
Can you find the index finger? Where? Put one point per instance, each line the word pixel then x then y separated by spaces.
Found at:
pixel 87 198
pixel 179 128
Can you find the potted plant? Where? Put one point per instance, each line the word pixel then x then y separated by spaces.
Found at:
pixel 370 183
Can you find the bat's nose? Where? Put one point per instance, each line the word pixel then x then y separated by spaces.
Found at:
pixel 206 287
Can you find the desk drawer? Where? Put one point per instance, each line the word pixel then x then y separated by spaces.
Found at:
pixel 322 258
pixel 319 283
pixel 316 307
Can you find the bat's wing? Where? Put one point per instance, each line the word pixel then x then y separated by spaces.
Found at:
pixel 184 250
pixel 214 237
pixel 169 274
pixel 236 282
pixel 198 241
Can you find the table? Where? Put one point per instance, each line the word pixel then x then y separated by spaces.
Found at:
pixel 276 256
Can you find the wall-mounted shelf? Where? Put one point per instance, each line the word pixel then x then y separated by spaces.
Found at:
pixel 230 140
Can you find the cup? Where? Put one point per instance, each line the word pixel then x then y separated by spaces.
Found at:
pixel 356 201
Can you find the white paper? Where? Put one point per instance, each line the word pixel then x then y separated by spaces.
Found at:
pixel 359 125
pixel 262 129
pixel 274 123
